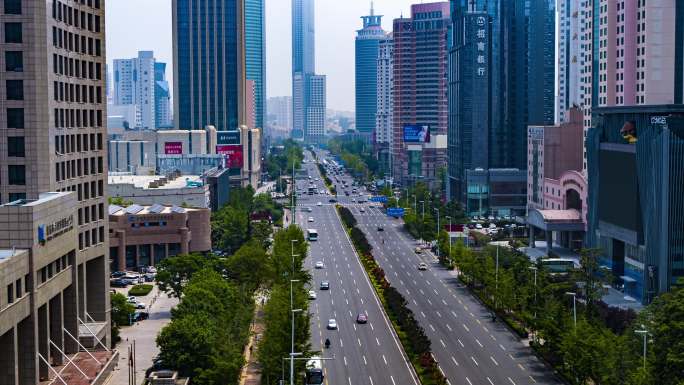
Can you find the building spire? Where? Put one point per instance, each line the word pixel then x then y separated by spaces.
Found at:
pixel 372 9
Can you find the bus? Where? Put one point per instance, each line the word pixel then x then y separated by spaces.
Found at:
pixel 312 234
pixel 314 371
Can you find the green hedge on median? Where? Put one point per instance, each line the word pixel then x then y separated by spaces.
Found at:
pixel 140 290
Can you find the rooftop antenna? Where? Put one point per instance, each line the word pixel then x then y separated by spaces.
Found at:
pixel 372 13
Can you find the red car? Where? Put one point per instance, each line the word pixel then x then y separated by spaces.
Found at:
pixel 361 318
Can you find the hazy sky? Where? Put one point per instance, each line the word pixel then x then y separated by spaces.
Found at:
pixel 134 25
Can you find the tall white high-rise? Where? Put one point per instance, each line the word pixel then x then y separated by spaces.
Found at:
pixel 134 83
pixel 569 58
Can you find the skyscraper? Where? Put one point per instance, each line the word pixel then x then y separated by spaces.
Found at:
pixel 134 83
pixel 305 82
pixel 54 237
pixel 255 56
pixel 209 62
pixel 420 88
pixel 367 43
pixel 162 97
pixel 569 59
pixel 385 103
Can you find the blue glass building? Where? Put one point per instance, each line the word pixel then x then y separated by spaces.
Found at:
pixel 255 55
pixel 367 43
pixel 207 63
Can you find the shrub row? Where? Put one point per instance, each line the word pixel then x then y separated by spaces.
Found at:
pixel 140 290
pixel 412 335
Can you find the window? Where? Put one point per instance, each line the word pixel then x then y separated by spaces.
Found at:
pixel 10 293
pixel 12 7
pixel 15 146
pixel 13 33
pixel 17 196
pixel 14 61
pixel 15 89
pixel 15 118
pixel 17 174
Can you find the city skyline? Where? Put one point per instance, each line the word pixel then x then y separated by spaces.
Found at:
pixel 154 16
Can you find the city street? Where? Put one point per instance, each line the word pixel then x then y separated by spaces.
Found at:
pixel 363 353
pixel 470 348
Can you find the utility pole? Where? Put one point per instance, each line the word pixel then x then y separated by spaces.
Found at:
pixel 438 231
pixel 292 192
pixel 496 289
pixel 574 306
pixel 292 314
pixel 449 234
pixel 644 333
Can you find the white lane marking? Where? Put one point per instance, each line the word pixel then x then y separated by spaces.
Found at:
pixel 442 342
pixel 359 341
pixel 344 358
pixel 502 347
pixel 490 381
pixel 361 301
pixel 364 360
pixel 384 359
pixel 423 314
pixel 421 290
pixel 377 341
pixel 372 328
pixel 439 314
pixel 467 379
pixel 492 335
pixel 532 378
pixel 448 327
pixel 521 367
pixel 445 303
pixel 454 314
pixel 349 378
pixel 441 371
pixel 453 359
pixel 371 380
pixel 466 328
pixel 347 301
pixel 461 343
pixel 341 344
pixel 415 303
pixel 436 292
pixel 392 378
pixel 428 300
pixel 493 360
pixel 473 358
pixel 478 342
pixel 432 327
pixel 512 382
pixel 354 325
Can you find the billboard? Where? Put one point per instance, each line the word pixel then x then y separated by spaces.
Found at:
pixel 233 155
pixel 173 148
pixel 417 133
pixel 396 212
pixel 228 137
pixel 378 198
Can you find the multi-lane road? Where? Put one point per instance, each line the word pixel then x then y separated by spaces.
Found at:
pixel 363 353
pixel 470 348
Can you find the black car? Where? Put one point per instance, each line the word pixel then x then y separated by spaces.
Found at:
pixel 141 315
pixel 118 274
pixel 325 285
pixel 157 365
pixel 332 200
pixel 380 228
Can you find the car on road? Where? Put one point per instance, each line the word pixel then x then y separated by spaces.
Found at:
pixel 332 324
pixel 332 200
pixel 418 250
pixel 380 228
pixel 362 210
pixel 140 305
pixel 325 285
pixel 309 209
pixel 319 265
pixel 478 226
pixel 354 200
pixel 311 219
pixel 312 294
pixel 141 316
pixel 319 204
pixel 361 318
pixel 422 266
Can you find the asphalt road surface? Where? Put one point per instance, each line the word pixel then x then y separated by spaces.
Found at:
pixel 363 353
pixel 470 348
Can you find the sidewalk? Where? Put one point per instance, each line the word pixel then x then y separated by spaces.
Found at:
pixel 251 372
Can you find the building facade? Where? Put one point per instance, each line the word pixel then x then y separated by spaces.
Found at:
pixel 569 58
pixel 385 103
pixel 173 189
pixel 316 108
pixel 636 195
pixel 208 56
pixel 54 138
pixel 162 97
pixel 145 235
pixel 280 112
pixel 135 83
pixel 366 55
pixel 420 88
pixel 255 56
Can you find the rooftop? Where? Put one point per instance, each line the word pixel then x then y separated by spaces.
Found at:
pixel 144 181
pixel 142 210
pixel 8 253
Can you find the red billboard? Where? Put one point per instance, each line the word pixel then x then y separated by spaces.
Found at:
pixel 173 148
pixel 233 154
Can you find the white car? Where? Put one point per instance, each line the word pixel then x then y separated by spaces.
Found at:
pixel 319 204
pixel 478 226
pixel 309 209
pixel 422 266
pixel 140 305
pixel 332 324
pixel 319 265
pixel 311 219
pixel 362 210
pixel 312 294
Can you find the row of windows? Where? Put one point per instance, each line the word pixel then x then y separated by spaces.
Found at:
pixel 53 268
pixel 90 213
pixel 77 93
pixel 15 291
pixel 75 17
pixel 16 175
pixel 83 69
pixel 76 168
pixel 73 118
pixel 91 237
pixel 68 144
pixel 76 43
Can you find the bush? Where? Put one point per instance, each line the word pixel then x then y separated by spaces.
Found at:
pixel 140 290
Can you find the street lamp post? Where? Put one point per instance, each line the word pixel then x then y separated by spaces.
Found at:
pixel 574 306
pixel 292 242
pixel 422 221
pixel 534 268
pixel 292 311
pixel 436 209
pixel 644 333
pixel 496 277
pixel 449 234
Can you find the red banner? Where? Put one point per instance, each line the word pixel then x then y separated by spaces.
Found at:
pixel 234 154
pixel 173 148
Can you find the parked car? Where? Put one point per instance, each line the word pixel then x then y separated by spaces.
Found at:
pixel 141 316
pixel 312 294
pixel 118 283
